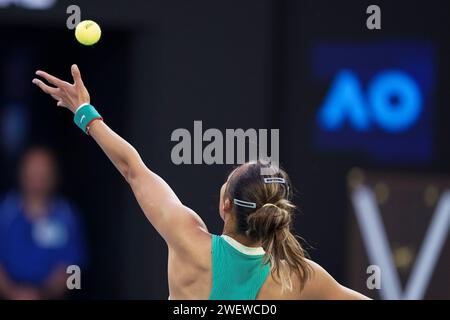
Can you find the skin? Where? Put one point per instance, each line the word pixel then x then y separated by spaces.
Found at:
pixel 38 180
pixel 186 235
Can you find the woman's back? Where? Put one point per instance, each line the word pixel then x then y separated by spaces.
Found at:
pixel 220 268
pixel 192 275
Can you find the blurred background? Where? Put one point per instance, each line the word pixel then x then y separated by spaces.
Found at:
pixel 363 118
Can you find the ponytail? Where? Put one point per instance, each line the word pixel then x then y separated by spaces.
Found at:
pixel 271 224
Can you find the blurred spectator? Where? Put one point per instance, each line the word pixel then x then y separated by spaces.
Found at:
pixel 40 233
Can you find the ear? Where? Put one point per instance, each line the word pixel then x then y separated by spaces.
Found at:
pixel 227 207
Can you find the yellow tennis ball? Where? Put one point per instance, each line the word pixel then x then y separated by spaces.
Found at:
pixel 88 32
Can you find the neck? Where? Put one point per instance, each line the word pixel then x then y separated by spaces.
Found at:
pixel 35 205
pixel 242 239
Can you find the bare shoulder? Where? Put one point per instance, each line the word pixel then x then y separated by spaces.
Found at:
pixel 190 237
pixel 183 224
pixel 189 265
pixel 322 286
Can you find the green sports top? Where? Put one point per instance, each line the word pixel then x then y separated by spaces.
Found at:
pixel 238 272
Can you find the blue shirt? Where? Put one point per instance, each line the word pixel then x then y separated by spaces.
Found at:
pixel 31 250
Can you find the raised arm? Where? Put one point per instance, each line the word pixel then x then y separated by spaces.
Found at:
pixel 158 201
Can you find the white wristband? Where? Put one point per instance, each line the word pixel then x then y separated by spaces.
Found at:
pixel 84 104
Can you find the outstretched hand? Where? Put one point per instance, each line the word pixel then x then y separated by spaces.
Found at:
pixel 67 95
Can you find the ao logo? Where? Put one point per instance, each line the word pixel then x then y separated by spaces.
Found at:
pixel 393 102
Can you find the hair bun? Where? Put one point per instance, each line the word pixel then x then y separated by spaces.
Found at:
pixel 269 219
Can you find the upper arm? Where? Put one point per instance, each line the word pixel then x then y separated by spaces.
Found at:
pixel 322 286
pixel 161 206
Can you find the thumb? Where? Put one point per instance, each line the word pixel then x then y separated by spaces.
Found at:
pixel 76 75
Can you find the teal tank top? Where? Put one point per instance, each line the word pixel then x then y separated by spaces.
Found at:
pixel 235 274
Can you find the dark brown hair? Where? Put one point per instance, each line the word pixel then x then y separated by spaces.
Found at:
pixel 270 220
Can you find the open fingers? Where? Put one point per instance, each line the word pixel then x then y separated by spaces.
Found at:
pixel 52 79
pixel 46 88
pixel 76 74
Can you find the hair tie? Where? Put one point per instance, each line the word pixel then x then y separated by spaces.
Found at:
pixel 270 205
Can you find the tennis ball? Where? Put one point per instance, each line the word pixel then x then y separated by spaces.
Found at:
pixel 88 32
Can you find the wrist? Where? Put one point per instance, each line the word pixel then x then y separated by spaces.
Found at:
pixel 92 125
pixel 79 107
pixel 85 115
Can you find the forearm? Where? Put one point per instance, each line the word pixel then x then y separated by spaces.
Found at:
pixel 123 155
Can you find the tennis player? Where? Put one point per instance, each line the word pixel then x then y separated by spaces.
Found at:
pixel 256 257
